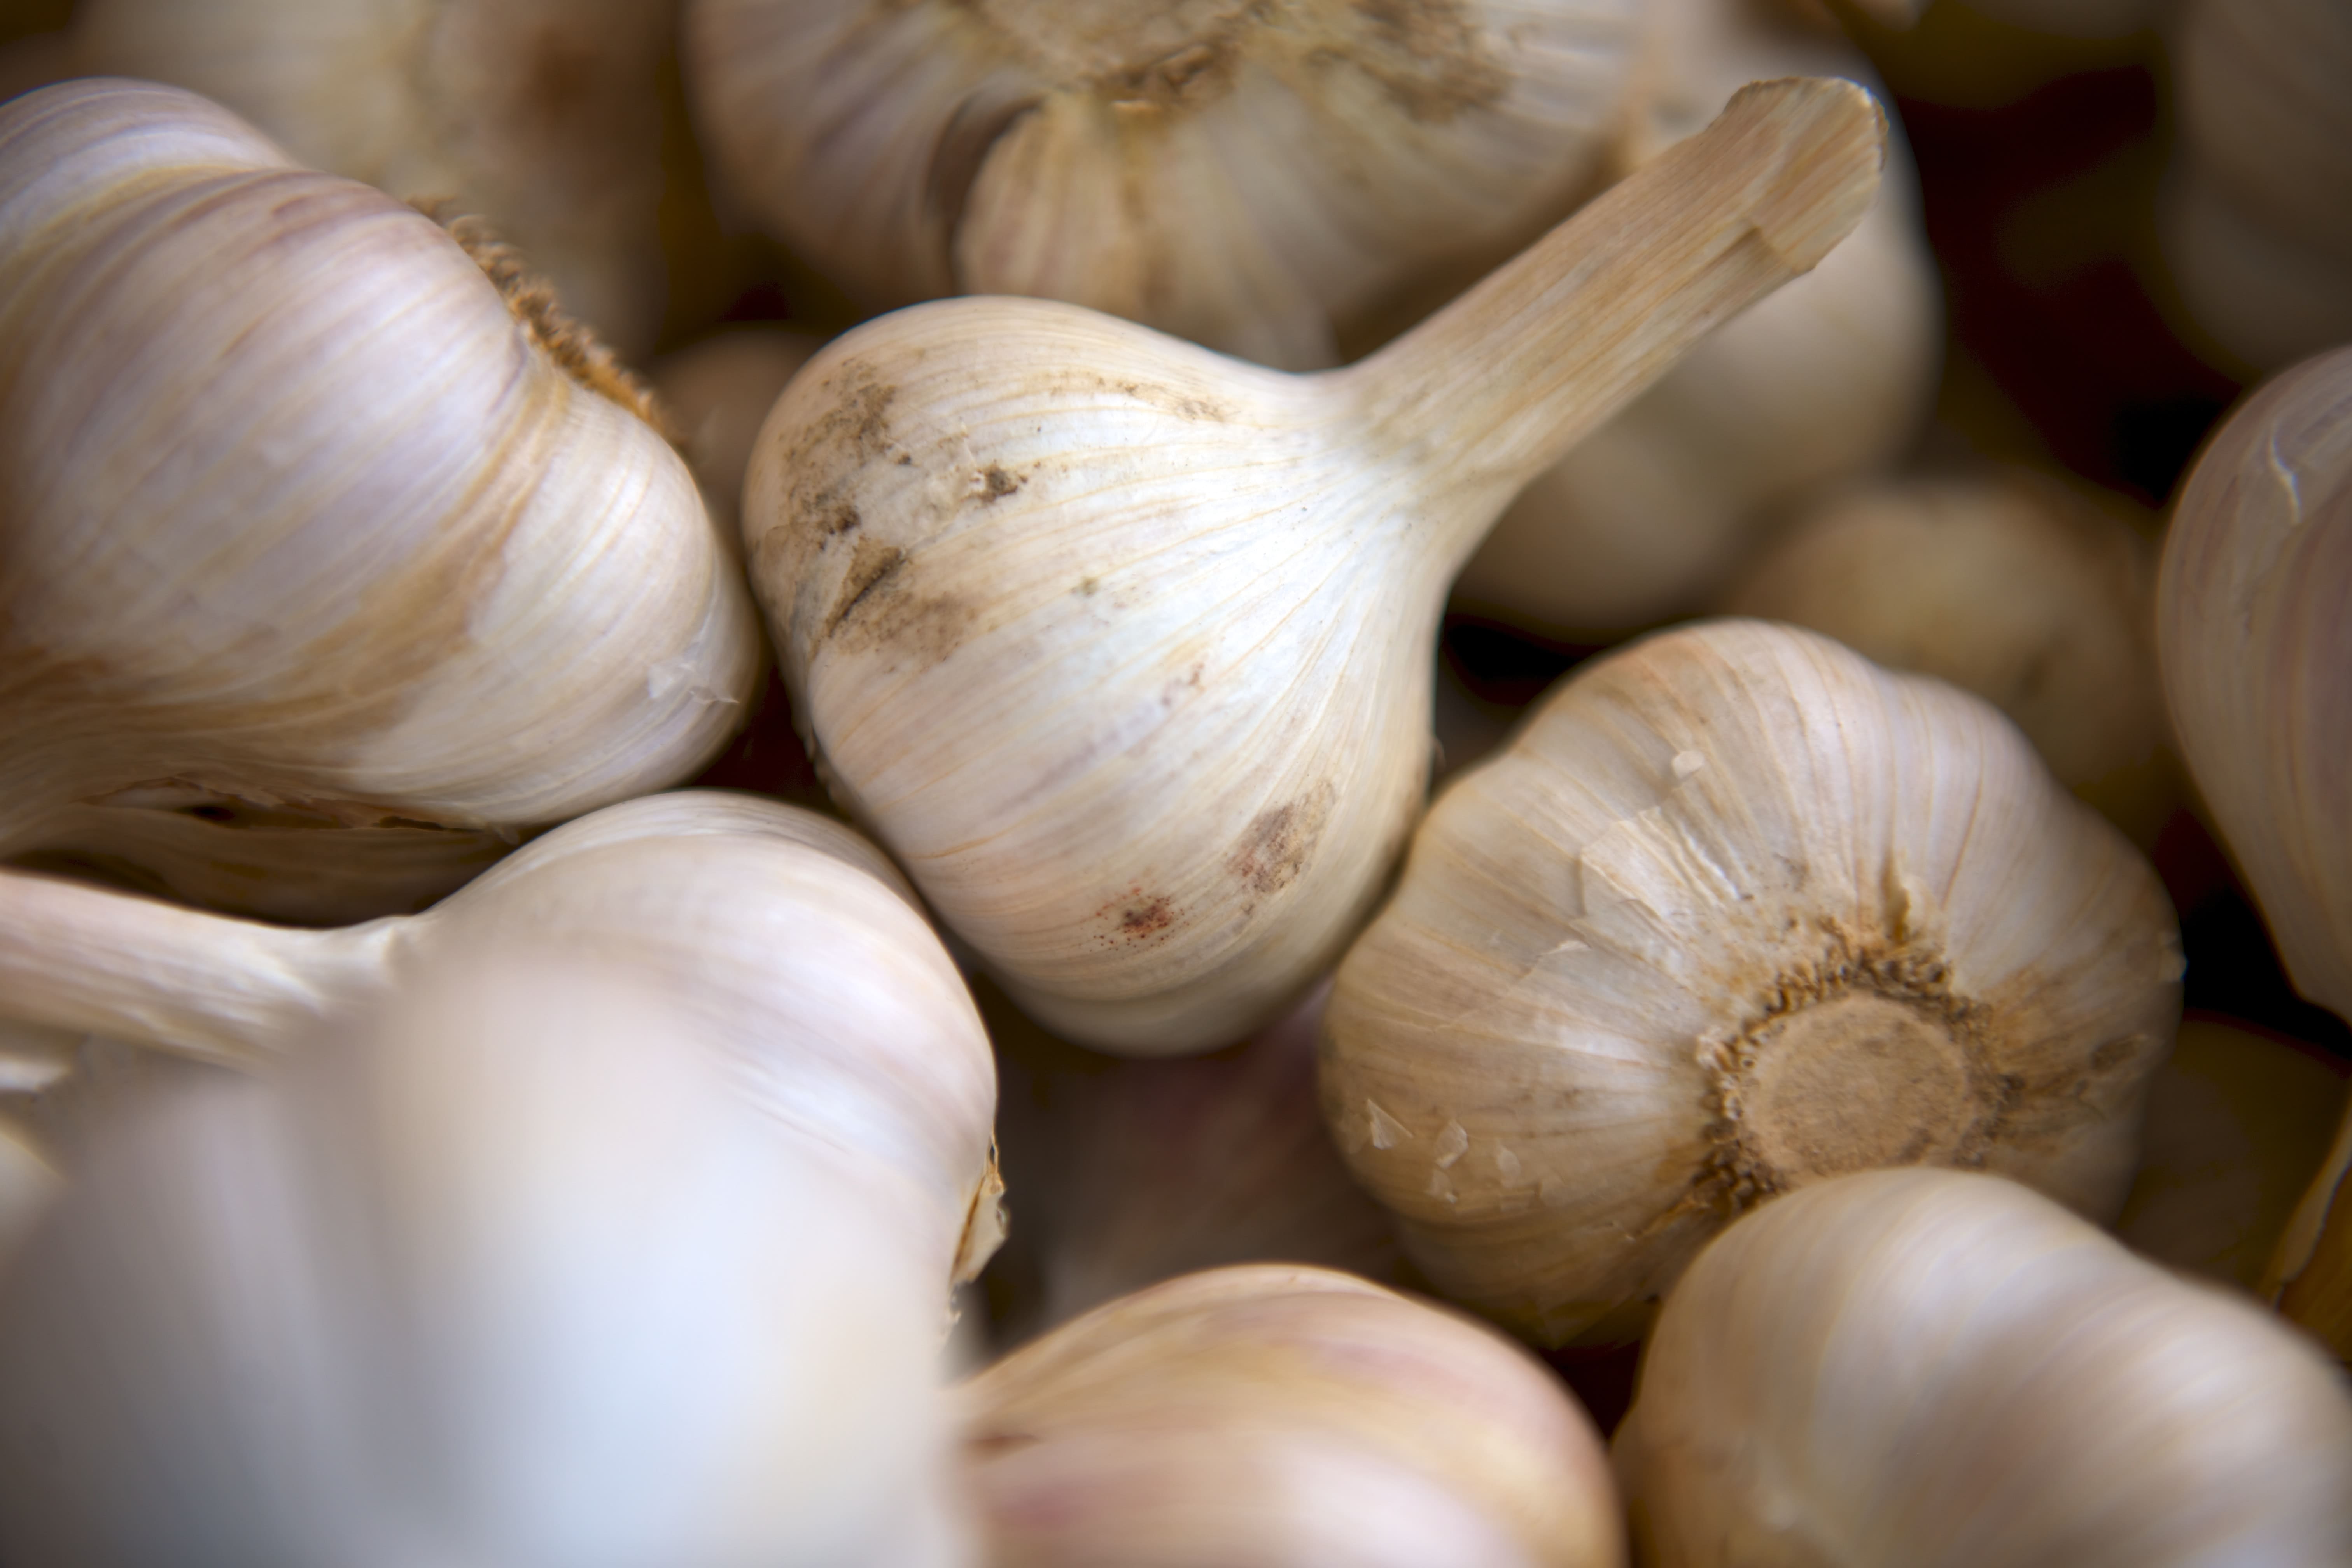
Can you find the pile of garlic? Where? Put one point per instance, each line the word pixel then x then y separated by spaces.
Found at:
pixel 1129 1120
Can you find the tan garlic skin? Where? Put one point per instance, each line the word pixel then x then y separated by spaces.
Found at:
pixel 2237 1121
pixel 1268 1417
pixel 503 1272
pixel 2257 222
pixel 1124 649
pixel 716 393
pixel 1927 1369
pixel 2007 584
pixel 1131 1173
pixel 1829 378
pixel 804 953
pixel 543 116
pixel 1736 912
pixel 1235 173
pixel 379 548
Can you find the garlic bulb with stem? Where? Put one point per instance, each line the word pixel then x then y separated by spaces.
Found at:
pixel 2236 1124
pixel 300 513
pixel 1267 1416
pixel 805 954
pixel 2008 585
pixel 1736 912
pixel 717 392
pixel 544 116
pixel 506 1273
pixel 1917 1369
pixel 1830 377
pixel 1124 649
pixel 1130 1172
pixel 2257 221
pixel 1237 174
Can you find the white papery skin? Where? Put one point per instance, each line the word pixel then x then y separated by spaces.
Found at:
pixel 543 116
pixel 796 947
pixel 1124 647
pixel 1280 1417
pixel 295 513
pixel 1930 1369
pixel 512 1277
pixel 1735 911
pixel 1830 377
pixel 2257 221
pixel 1238 174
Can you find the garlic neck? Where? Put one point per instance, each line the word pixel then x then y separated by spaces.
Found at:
pixel 1860 1062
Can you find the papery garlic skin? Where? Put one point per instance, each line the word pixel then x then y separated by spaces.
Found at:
pixel 2009 586
pixel 543 116
pixel 1237 174
pixel 369 550
pixel 1736 912
pixel 2257 219
pixel 1124 649
pixel 1268 1417
pixel 1829 378
pixel 1928 1368
pixel 800 951
pixel 513 1276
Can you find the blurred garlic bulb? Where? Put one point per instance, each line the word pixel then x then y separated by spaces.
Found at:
pixel 28 1184
pixel 716 392
pixel 1736 912
pixel 300 518
pixel 2309 1275
pixel 1131 1173
pixel 1266 1418
pixel 2257 223
pixel 2059 19
pixel 801 953
pixel 1237 174
pixel 512 1277
pixel 1917 1369
pixel 1124 649
pixel 1831 376
pixel 2236 1124
pixel 544 116
pixel 2007 585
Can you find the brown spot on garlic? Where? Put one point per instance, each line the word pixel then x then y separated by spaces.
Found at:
pixel 1280 840
pixel 1149 918
pixel 994 483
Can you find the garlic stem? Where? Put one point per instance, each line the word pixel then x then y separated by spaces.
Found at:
pixel 79 957
pixel 1498 386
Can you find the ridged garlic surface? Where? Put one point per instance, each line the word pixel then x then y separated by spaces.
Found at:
pixel 1124 649
pixel 299 514
pixel 2257 221
pixel 1929 1369
pixel 801 951
pixel 1276 1418
pixel 1830 377
pixel 506 1273
pixel 1234 172
pixel 1735 912
pixel 543 116
pixel 1131 1173
pixel 2009 586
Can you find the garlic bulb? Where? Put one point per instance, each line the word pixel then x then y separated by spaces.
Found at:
pixel 2257 223
pixel 1265 1417
pixel 297 513
pixel 1131 1173
pixel 544 116
pixel 1237 174
pixel 2236 1124
pixel 1736 912
pixel 1124 649
pixel 1830 377
pixel 2009 586
pixel 716 392
pixel 513 1276
pixel 804 955
pixel 1922 1368
pixel 27 1184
